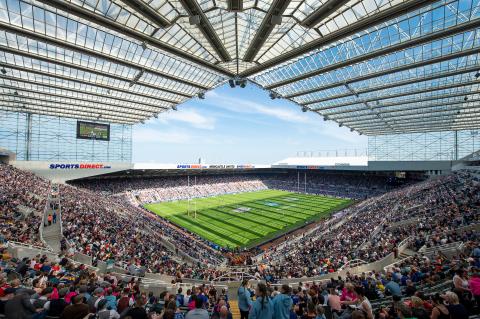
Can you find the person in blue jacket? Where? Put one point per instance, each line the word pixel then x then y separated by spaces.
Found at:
pixel 282 303
pixel 244 299
pixel 263 305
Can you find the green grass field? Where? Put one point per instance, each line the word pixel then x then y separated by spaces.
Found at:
pixel 247 219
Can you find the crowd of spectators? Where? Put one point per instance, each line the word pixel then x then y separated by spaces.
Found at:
pixel 366 232
pixel 169 188
pixel 109 228
pixel 418 287
pixel 22 200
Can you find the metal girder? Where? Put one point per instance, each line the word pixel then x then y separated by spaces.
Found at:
pixel 82 68
pixel 421 123
pixel 372 75
pixel 434 98
pixel 385 97
pixel 422 129
pixel 97 19
pixel 124 109
pixel 194 9
pixel 277 8
pixel 411 118
pixel 395 84
pixel 387 112
pixel 148 12
pixel 41 109
pixel 321 13
pixel 88 109
pixel 80 81
pixel 72 47
pixel 360 25
pixel 463 27
pixel 28 81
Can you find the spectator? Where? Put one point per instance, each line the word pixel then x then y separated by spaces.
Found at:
pixel 77 310
pixel 282 303
pixel 198 312
pixel 262 307
pixel 244 299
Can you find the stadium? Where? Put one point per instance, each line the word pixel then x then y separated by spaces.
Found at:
pixel 343 178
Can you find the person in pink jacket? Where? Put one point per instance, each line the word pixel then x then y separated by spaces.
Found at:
pixel 474 284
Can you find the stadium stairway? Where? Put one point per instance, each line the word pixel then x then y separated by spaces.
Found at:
pixel 52 234
pixel 234 309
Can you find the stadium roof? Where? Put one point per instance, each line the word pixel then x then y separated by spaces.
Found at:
pixel 376 66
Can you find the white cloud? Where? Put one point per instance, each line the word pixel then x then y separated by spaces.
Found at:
pixel 189 116
pixel 150 135
pixel 245 106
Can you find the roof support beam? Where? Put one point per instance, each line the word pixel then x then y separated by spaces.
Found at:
pixel 79 81
pixel 422 129
pixel 95 104
pixel 28 100
pixel 148 12
pixel 360 25
pixel 372 75
pixel 277 8
pixel 82 68
pixel 405 102
pixel 58 111
pixel 396 84
pixel 97 19
pixel 419 131
pixel 402 94
pixel 321 13
pixel 15 79
pixel 194 9
pixel 423 122
pixel 463 27
pixel 411 118
pixel 69 46
pixel 427 107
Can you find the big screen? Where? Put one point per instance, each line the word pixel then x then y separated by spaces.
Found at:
pixel 93 131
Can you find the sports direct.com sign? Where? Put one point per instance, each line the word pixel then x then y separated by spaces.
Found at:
pixel 78 166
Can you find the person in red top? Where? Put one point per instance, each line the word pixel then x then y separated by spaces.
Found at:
pixel 3 285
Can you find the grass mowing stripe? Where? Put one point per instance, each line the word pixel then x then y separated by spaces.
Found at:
pixel 276 213
pixel 220 209
pixel 210 229
pixel 226 221
pixel 218 222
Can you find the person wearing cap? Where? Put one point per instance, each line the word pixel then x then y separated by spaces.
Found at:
pixel 8 294
pixel 55 307
pixel 77 310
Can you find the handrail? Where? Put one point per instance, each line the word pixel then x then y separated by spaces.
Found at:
pixel 31 246
pixel 44 213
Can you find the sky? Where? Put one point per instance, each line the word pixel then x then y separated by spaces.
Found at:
pixel 237 126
